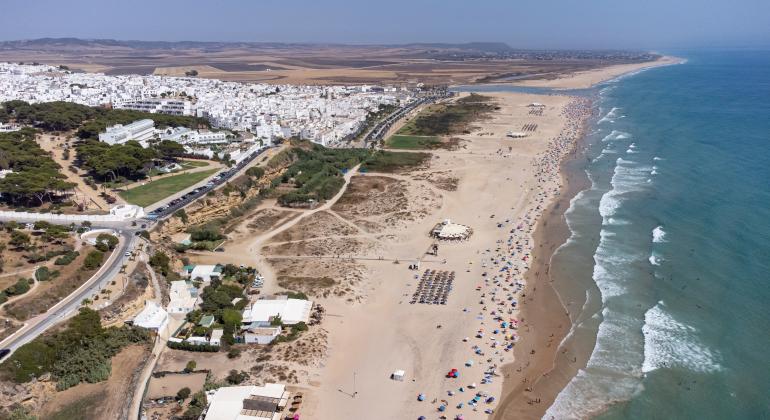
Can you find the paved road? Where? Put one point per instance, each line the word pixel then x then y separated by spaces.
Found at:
pixel 69 305
pixel 169 205
pixel 378 132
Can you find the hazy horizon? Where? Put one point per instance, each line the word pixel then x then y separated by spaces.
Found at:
pixel 603 24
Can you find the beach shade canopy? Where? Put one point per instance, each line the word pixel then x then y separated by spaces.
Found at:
pixel 397 375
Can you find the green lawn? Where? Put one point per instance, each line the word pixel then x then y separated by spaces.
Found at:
pixel 193 163
pixel 400 141
pixel 155 191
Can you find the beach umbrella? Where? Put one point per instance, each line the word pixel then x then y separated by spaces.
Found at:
pixel 421 397
pixel 441 408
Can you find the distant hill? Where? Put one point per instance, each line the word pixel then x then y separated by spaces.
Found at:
pixel 80 44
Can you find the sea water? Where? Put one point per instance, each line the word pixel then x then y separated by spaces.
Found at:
pixel 671 245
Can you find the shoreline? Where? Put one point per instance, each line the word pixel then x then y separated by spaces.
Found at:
pixel 586 79
pixel 491 167
pixel 546 319
pixel 532 395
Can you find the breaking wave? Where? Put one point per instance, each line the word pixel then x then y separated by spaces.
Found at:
pixel 669 343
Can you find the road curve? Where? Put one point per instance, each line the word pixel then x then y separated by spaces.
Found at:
pixel 69 305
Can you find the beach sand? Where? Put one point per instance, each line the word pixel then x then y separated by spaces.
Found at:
pixel 587 79
pixel 501 194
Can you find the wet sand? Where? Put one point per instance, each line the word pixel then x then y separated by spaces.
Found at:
pixel 542 368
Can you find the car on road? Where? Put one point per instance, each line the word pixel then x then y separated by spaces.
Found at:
pixel 4 352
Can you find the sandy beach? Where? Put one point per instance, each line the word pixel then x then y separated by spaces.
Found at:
pixel 587 79
pixel 504 185
pixel 503 321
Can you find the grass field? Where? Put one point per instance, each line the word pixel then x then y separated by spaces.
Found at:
pixel 402 141
pixel 193 163
pixel 155 191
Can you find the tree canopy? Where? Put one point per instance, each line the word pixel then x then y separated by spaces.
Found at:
pixel 35 175
pixel 89 121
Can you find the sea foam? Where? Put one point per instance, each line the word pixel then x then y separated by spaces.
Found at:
pixel 610 115
pixel 658 235
pixel 616 135
pixel 670 343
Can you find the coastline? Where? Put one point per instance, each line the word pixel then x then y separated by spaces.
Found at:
pixel 590 78
pixel 530 388
pixel 546 320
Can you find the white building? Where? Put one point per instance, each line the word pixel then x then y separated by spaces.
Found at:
pixel 185 136
pixel 152 317
pixel 183 296
pixel 140 131
pixel 7 128
pixel 216 337
pixel 127 211
pixel 206 272
pixel 169 106
pixel 247 402
pixel 260 335
pixel 291 311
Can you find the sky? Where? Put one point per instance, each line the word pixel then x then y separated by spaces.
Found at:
pixel 567 24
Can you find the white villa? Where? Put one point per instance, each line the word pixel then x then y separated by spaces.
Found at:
pixel 291 311
pixel 247 402
pixel 152 317
pixel 184 296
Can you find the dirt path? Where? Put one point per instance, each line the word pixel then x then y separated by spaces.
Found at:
pixel 86 195
pixel 256 244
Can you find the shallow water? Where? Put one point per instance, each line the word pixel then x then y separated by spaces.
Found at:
pixel 673 237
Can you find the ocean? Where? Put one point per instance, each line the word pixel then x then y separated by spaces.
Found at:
pixel 666 274
pixel 669 256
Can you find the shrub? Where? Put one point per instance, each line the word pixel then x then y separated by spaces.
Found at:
pixel 206 348
pixel 160 261
pixel 106 242
pixel 235 377
pixel 43 274
pixel 183 394
pixel 67 258
pixel 93 260
pixel 22 286
pixel 234 353
pixel 79 353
